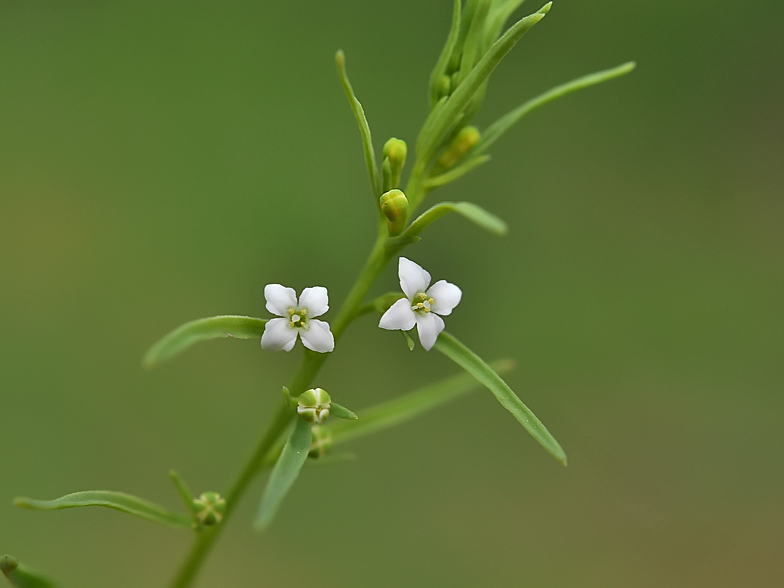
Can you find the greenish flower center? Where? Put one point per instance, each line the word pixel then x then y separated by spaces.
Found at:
pixel 422 303
pixel 298 318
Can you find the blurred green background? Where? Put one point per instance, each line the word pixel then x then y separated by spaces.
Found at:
pixel 163 161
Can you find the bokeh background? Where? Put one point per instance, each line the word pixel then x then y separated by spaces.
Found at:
pixel 163 161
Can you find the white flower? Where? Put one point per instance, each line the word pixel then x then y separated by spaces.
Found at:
pixel 422 305
pixel 281 333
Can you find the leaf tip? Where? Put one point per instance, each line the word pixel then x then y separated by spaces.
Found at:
pixel 340 58
pixel 545 9
pixel 22 502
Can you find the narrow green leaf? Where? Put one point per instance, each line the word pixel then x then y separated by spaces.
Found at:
pixel 456 172
pixel 503 124
pixel 364 128
pixel 115 500
pixel 472 48
pixel 473 364
pixel 21 576
pixel 497 19
pixel 341 412
pixel 238 327
pixel 409 406
pixel 469 210
pixel 286 470
pixel 182 489
pixel 460 98
pixel 446 53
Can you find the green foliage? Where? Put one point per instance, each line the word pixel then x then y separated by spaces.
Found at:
pixel 285 472
pixel 459 99
pixel 409 406
pixel 115 500
pixel 503 124
pixel 237 327
pixel 473 212
pixel 341 412
pixel 364 128
pixel 474 365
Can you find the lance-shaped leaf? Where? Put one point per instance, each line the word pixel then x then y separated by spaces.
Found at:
pixel 499 14
pixel 341 412
pixel 409 406
pixel 473 46
pixel 503 124
pixel 443 60
pixel 456 172
pixel 476 214
pixel 285 472
pixel 460 98
pixel 238 327
pixel 473 364
pixel 364 128
pixel 115 500
pixel 21 576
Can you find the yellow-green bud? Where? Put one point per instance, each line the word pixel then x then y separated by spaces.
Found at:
pixel 313 405
pixel 395 151
pixel 209 508
pixel 466 140
pixel 444 86
pixel 320 441
pixel 394 205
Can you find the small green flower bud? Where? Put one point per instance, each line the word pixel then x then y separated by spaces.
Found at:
pixel 444 86
pixel 320 441
pixel 466 140
pixel 394 205
pixel 395 151
pixel 209 508
pixel 8 563
pixel 313 405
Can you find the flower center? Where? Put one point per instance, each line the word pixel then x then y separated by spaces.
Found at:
pixel 421 302
pixel 298 318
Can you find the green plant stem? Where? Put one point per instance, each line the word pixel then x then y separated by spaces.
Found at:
pixel 311 363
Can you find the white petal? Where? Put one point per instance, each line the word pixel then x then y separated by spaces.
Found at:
pixel 429 326
pixel 413 278
pixel 399 317
pixel 278 335
pixel 445 295
pixel 315 299
pixel 318 337
pixel 279 298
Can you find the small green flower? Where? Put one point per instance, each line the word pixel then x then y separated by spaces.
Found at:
pixel 313 405
pixel 209 508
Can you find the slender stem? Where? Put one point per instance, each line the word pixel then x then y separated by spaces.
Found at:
pixel 311 363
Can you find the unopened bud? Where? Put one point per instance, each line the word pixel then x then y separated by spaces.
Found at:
pixel 395 152
pixel 210 508
pixel 313 405
pixel 320 441
pixel 466 140
pixel 444 86
pixel 394 205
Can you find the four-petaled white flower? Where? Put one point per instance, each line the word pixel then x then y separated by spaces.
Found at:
pixel 422 305
pixel 298 317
